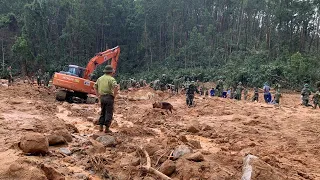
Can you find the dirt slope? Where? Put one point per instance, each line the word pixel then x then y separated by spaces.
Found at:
pixel 286 138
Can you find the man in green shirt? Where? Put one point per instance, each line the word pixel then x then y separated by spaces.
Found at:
pixel 106 89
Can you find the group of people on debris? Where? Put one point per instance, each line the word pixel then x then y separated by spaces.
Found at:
pixel 190 85
pixel 132 83
pixel 42 78
pixel 305 96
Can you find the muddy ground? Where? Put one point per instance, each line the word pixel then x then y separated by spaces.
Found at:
pixel 285 138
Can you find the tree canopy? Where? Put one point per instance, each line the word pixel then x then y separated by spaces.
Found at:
pixel 252 41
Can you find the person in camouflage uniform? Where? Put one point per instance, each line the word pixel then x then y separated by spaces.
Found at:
pixel 134 83
pixel 256 94
pixel 201 90
pixel 163 82
pixel 176 83
pixel 239 91
pixel 39 77
pixel 305 92
pixel 186 84
pixel 205 90
pixel 137 85
pixel 46 78
pixel 277 97
pixel 141 83
pixel 9 76
pixel 219 88
pixel 156 84
pixel 245 94
pixel 190 94
pixel 316 98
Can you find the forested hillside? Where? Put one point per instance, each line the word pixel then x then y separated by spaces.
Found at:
pixel 241 40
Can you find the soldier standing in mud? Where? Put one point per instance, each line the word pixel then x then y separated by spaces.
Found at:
pixel 219 88
pixel 39 77
pixel 190 94
pixel 10 78
pixel 176 83
pixel 245 94
pixel 316 98
pixel 239 91
pixel 256 94
pixel 46 78
pixel 305 92
pixel 106 89
pixel 163 82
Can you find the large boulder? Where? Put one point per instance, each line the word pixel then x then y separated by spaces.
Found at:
pixel 168 167
pixel 34 143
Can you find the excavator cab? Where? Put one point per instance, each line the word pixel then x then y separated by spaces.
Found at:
pixel 74 70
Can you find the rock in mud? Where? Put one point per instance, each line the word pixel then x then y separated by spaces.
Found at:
pixel 51 173
pixel 56 140
pixel 90 119
pixel 192 129
pixel 152 148
pixel 72 128
pixel 81 176
pixel 195 144
pixel 65 151
pixel 183 138
pixel 107 140
pixel 197 157
pixel 206 128
pixel 24 171
pixel 65 133
pixel 96 148
pixel 148 178
pixel 168 167
pixel 15 101
pixel 180 151
pixel 129 161
pixel 34 143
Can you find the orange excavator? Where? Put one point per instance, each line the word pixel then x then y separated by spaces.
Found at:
pixel 76 83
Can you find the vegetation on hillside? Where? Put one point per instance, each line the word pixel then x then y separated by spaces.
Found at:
pixel 240 40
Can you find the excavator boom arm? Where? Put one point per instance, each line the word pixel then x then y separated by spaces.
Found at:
pixel 102 57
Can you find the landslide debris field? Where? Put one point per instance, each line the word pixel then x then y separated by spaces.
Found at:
pixel 208 141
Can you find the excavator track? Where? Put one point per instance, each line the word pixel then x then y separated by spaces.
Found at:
pixel 75 97
pixel 61 95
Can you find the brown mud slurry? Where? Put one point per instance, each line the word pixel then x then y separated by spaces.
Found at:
pixel 223 130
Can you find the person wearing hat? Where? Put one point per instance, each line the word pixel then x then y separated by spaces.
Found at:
pixel 305 93
pixel 106 89
pixel 190 94
pixel 219 87
pixel 239 91
pixel 316 99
